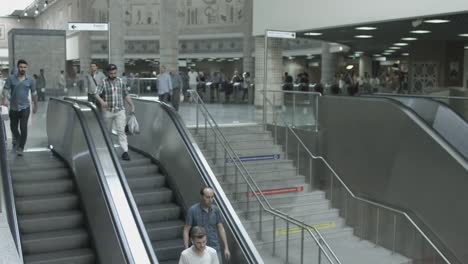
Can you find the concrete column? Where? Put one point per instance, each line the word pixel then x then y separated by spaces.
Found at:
pixel 248 39
pixel 84 43
pixel 274 68
pixel 465 69
pixel 117 33
pixel 169 36
pixel 329 64
pixel 365 65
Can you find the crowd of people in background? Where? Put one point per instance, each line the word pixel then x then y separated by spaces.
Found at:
pixel 392 80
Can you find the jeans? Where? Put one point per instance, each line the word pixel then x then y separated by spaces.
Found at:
pixel 119 118
pixel 21 118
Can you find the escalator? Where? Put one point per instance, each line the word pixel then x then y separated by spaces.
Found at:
pixel 63 204
pixel 440 117
pixel 164 175
pixel 51 219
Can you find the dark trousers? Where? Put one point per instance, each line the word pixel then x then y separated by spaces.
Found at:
pixel 21 118
pixel 165 97
pixel 175 98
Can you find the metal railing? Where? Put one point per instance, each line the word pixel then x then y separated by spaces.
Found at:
pixel 8 195
pixel 334 176
pixel 253 190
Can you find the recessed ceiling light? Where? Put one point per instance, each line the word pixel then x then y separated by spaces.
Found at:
pixel 437 21
pixel 395 48
pixel 405 54
pixel 363 36
pixel 389 51
pixel 466 47
pixel 386 53
pixel 377 55
pixel 313 34
pixel 420 31
pixel 409 39
pixel 350 67
pixel 463 35
pixel 366 28
pixel 402 44
pixel 359 52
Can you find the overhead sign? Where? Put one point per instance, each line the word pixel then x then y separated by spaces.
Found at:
pixel 281 34
pixel 88 26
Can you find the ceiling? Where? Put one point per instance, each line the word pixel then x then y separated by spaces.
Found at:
pixel 388 33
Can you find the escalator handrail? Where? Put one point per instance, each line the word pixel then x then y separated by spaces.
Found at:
pixel 121 176
pixel 177 120
pixel 256 189
pixel 8 194
pixel 100 173
pixel 367 201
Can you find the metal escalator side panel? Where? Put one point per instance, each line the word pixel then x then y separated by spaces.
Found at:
pixel 111 224
pixel 165 138
pixel 8 198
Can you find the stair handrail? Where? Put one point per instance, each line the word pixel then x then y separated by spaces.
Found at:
pixel 255 191
pixel 12 218
pixel 351 193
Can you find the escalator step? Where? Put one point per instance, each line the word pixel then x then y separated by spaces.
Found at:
pixel 154 181
pixel 76 256
pixel 152 196
pixel 23 175
pixel 137 171
pixel 168 249
pixel 159 212
pixel 43 187
pixel 47 242
pixel 166 230
pixel 50 221
pixel 46 203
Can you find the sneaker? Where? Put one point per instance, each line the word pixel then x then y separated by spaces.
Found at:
pixel 19 151
pixel 125 156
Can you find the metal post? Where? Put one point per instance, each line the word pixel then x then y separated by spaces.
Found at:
pixel 310 171
pixel 196 104
pixel 346 206
pixel 294 111
pixel 362 222
pixel 260 223
pixel 248 199
pixel 394 234
pixel 108 33
pixel 331 191
pixel 206 131
pixel 317 113
pixel 215 148
pixel 274 234
pixel 320 255
pixel 265 77
pixel 286 152
pixel 298 159
pixel 225 164
pixel 287 242
pixel 377 225
pixel 236 183
pixel 302 245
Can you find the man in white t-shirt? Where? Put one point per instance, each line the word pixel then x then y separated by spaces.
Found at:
pixel 193 79
pixel 199 252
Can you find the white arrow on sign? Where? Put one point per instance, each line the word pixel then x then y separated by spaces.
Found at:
pixel 281 34
pixel 88 26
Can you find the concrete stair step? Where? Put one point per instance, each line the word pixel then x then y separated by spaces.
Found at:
pixel 298 198
pixel 200 138
pixel 51 221
pixel 288 209
pixel 75 256
pixel 270 185
pixel 241 144
pixel 262 175
pixel 253 166
pixel 45 242
pixel 20 175
pixel 235 129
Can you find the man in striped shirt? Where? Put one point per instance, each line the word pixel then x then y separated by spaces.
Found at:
pixel 110 94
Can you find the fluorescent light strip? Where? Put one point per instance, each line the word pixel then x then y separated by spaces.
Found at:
pixel 437 21
pixel 366 28
pixel 363 36
pixel 313 34
pixel 401 44
pixel 463 35
pixel 409 39
pixel 395 48
pixel 405 54
pixel 420 31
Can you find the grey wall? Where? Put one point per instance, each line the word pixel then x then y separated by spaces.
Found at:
pixel 52 61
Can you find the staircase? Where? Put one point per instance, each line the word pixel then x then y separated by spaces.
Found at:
pixel 52 224
pixel 162 217
pixel 288 192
